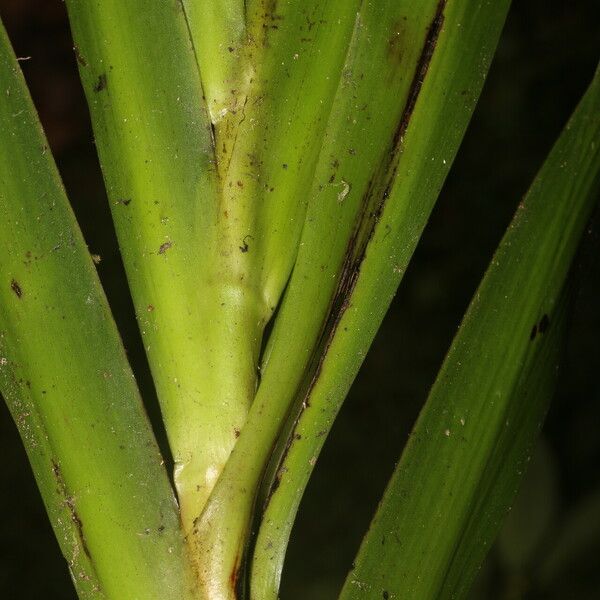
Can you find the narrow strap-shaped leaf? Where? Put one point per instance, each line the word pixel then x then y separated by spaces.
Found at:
pixel 446 85
pixel 67 382
pixel 469 447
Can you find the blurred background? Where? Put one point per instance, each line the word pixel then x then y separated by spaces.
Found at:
pixel 550 546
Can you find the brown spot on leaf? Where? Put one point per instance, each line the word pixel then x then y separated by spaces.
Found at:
pixel 100 83
pixel 395 48
pixel 16 288
pixel 276 483
pixel 164 247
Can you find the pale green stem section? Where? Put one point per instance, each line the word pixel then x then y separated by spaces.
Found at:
pixel 67 382
pixel 467 452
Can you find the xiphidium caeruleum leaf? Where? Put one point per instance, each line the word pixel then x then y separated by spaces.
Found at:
pixel 468 450
pixel 67 382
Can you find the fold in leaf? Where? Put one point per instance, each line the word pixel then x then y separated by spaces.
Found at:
pixel 66 380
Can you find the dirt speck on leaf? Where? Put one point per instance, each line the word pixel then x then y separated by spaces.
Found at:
pixel 533 332
pixel 164 247
pixel 79 56
pixel 16 288
pixel 244 247
pixel 101 83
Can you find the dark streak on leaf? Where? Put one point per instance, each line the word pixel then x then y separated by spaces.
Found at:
pixel 70 504
pixel 276 482
pixel 422 67
pixel 234 578
pixel 540 327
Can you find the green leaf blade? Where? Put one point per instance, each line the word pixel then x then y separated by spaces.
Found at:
pixel 67 382
pixel 467 451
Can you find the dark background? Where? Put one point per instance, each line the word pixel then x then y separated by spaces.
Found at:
pixel 550 547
